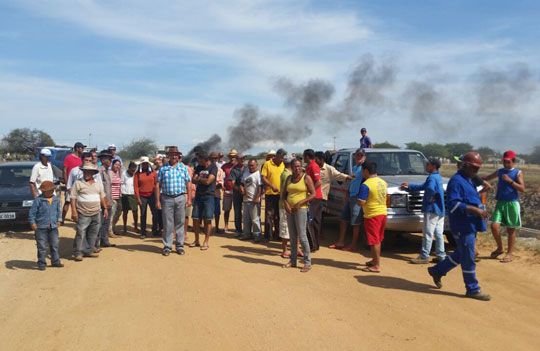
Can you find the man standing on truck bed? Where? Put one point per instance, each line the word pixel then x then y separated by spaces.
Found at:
pixel 467 216
pixel 365 141
pixel 433 209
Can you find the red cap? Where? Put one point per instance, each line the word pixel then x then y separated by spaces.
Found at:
pixel 509 155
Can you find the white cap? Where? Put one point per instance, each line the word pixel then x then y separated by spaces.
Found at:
pixel 46 152
pixel 111 146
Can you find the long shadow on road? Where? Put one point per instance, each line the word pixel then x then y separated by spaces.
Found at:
pixel 254 260
pixel 385 282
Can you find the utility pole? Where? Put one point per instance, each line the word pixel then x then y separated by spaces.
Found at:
pixel 334 143
pixel 90 140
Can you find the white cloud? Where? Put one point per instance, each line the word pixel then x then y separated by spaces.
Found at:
pixel 264 35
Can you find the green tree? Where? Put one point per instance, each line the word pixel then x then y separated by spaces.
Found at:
pixel 138 148
pixel 415 146
pixel 385 145
pixel 435 150
pixel 456 149
pixel 485 152
pixel 25 140
pixel 534 156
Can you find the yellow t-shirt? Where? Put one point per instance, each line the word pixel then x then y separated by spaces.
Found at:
pixel 297 192
pixel 373 192
pixel 273 174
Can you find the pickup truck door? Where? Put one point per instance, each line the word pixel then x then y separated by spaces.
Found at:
pixel 338 190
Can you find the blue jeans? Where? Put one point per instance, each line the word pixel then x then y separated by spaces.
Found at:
pixel 252 222
pixel 47 237
pixel 103 238
pixel 87 234
pixel 433 224
pixel 203 207
pixel 464 255
pixel 352 212
pixel 297 223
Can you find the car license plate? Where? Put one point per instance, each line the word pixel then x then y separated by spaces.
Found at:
pixel 7 215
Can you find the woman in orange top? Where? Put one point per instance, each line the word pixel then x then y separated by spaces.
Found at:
pixel 144 182
pixel 299 190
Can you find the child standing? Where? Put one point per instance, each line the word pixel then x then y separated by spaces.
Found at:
pixel 45 217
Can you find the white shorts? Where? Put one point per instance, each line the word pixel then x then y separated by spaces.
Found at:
pixel 283 226
pixel 227 203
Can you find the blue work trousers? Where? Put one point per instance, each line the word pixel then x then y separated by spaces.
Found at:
pixel 463 255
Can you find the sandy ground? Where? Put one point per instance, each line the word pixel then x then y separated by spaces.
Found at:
pixel 237 296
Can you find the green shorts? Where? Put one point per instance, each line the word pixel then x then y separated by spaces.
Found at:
pixel 129 202
pixel 507 213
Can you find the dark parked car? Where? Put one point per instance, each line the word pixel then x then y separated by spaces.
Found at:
pixel 15 195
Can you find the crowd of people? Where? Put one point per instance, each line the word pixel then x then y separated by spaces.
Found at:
pixel 171 190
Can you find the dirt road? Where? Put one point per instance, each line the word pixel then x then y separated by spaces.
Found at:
pixel 236 296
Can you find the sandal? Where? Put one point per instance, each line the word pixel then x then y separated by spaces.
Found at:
pixel 205 247
pixel 194 244
pixel 368 264
pixel 496 254
pixel 305 269
pixel 336 247
pixel 300 253
pixel 506 259
pixel 286 255
pixel 348 249
pixel 370 270
pixel 288 265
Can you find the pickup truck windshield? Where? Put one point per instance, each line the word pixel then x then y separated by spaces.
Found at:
pixel 398 163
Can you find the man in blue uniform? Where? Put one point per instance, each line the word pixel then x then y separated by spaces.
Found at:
pixel 467 216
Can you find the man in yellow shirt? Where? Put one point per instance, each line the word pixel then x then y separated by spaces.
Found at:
pixel 271 176
pixel 372 198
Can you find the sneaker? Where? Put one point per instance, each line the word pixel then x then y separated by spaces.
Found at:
pixel 180 251
pixel 478 296
pixel 78 258
pixel 419 260
pixel 436 278
pixel 92 254
pixel 437 259
pixel 58 265
pixel 166 252
pixel 246 237
pixel 238 235
pixel 42 268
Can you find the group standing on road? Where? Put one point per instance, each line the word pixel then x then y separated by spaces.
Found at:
pixel 294 197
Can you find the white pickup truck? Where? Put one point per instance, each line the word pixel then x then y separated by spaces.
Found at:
pixel 395 166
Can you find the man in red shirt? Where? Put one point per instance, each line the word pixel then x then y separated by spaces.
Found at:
pixel 315 205
pixel 71 161
pixel 228 187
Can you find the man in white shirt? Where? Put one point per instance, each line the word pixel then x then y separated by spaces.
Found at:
pixel 41 172
pixel 250 188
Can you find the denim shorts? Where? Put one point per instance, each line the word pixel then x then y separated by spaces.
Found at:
pixel 203 207
pixel 352 212
pixel 217 210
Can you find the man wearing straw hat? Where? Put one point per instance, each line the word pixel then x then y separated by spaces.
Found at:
pixel 87 199
pixel 174 183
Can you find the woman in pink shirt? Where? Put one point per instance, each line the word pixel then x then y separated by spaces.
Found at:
pixel 116 183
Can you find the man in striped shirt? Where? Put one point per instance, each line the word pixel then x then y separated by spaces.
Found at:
pixel 174 182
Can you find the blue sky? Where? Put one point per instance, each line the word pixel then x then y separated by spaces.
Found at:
pixel 176 71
